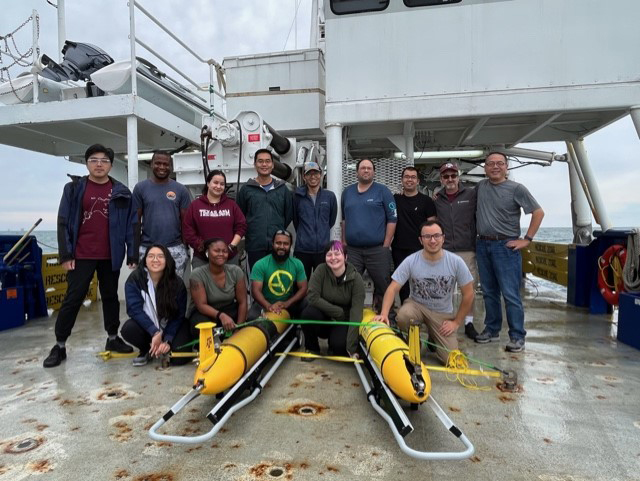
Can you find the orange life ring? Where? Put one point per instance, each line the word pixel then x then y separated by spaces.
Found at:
pixel 613 259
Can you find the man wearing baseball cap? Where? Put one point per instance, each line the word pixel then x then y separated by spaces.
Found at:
pixel 314 213
pixel 456 210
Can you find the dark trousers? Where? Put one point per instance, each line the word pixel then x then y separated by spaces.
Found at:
pixel 337 335
pixel 295 310
pixel 398 256
pixel 255 256
pixel 78 281
pixel 196 317
pixel 135 335
pixel 310 260
pixel 377 262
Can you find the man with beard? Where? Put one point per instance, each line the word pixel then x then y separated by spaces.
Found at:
pixel 278 281
pixel 432 274
pixel 160 203
pixel 368 224
pixel 456 208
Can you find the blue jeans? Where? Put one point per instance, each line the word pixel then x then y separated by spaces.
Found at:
pixel 500 270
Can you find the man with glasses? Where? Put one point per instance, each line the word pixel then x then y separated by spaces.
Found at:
pixel 498 249
pixel 160 204
pixel 433 274
pixel 95 231
pixel 267 204
pixel 314 213
pixel 456 208
pixel 278 281
pixel 368 224
pixel 414 208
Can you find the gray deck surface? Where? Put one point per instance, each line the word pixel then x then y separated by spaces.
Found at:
pixel 576 417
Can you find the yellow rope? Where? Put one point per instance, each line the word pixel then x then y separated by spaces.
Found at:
pixel 458 362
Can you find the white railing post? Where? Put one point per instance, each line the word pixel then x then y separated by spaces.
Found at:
pixel 36 86
pixel 132 42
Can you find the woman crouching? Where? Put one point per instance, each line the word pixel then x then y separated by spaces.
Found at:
pixel 336 292
pixel 156 304
pixel 218 290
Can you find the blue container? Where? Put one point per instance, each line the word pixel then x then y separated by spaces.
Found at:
pixel 629 319
pixel 11 308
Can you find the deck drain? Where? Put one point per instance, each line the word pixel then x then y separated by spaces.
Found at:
pixel 276 472
pixel 23 446
pixel 307 411
pixel 110 394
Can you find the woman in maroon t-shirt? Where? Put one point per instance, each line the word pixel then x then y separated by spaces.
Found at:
pixel 213 214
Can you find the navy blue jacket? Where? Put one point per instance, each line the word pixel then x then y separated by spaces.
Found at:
pixel 121 218
pixel 313 222
pixel 134 290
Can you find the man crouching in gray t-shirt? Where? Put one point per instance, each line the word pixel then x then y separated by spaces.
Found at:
pixel 433 274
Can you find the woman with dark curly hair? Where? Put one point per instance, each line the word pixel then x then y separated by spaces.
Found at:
pixel 156 304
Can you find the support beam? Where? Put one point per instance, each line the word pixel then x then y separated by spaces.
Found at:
pixel 468 136
pixel 580 209
pixel 334 168
pixel 635 116
pixel 599 212
pixel 132 150
pixel 537 128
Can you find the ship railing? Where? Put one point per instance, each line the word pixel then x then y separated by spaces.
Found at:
pixel 547 260
pixel 216 71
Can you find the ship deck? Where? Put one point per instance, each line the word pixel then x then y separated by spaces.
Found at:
pixel 575 416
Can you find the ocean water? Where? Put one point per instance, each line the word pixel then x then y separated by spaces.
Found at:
pixel 47 239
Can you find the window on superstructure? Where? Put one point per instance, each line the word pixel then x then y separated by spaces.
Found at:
pixel 428 3
pixel 342 7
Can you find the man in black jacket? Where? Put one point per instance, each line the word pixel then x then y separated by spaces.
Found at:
pixel 456 209
pixel 94 228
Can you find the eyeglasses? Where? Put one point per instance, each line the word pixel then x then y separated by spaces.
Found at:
pixel 428 237
pixel 98 160
pixel 449 176
pixel 153 257
pixel 410 177
pixel 495 163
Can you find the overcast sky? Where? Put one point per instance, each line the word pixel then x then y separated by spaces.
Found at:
pixel 31 183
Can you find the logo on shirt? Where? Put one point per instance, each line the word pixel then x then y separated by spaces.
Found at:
pixel 280 283
pixel 171 195
pixel 99 207
pixel 215 213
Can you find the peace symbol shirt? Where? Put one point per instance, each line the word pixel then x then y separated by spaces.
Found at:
pixel 278 279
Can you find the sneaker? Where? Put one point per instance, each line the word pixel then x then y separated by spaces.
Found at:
pixel 515 345
pixel 55 357
pixel 470 331
pixel 118 345
pixel 486 337
pixel 141 360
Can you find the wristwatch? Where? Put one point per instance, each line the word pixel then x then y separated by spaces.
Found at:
pixel 530 239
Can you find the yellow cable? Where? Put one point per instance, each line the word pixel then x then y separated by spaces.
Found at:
pixel 457 364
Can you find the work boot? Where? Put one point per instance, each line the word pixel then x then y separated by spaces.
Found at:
pixel 118 345
pixel 515 345
pixel 470 331
pixel 487 336
pixel 55 357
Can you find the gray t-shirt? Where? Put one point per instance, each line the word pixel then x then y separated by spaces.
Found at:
pixel 161 205
pixel 217 297
pixel 432 283
pixel 498 211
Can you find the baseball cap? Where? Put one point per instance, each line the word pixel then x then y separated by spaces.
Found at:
pixel 449 166
pixel 309 166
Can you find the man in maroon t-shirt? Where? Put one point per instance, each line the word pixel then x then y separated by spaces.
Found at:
pixel 94 226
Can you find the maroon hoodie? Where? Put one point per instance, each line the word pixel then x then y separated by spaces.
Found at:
pixel 205 220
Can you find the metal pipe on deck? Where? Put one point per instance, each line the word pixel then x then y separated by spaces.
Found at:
pixel 582 160
pixel 132 151
pixel 62 29
pixel 334 168
pixel 580 209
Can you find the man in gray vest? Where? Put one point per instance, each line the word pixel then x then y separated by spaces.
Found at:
pixel 498 248
pixel 456 210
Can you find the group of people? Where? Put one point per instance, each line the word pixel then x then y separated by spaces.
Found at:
pixel 432 243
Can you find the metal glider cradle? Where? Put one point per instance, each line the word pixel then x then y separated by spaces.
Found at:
pixel 234 367
pixel 396 370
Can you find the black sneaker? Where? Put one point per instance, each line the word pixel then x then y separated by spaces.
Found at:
pixel 55 357
pixel 470 331
pixel 118 345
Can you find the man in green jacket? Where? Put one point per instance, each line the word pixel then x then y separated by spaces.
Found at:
pixel 267 203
